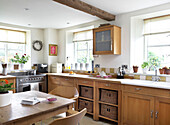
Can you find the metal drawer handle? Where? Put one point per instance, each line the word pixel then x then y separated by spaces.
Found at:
pixel 86 103
pixel 66 79
pixel 156 114
pixel 54 77
pixel 151 114
pixel 85 82
pixel 138 89
pixel 107 85
pixel 86 90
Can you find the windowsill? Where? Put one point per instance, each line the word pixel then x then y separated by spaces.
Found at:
pixel 20 70
pixel 148 74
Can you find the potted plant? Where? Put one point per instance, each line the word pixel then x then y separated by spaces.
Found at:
pixel 5 96
pixel 20 59
pixel 161 70
pixel 144 67
pixel 135 69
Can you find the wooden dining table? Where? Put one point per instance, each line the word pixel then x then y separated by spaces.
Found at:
pixel 19 114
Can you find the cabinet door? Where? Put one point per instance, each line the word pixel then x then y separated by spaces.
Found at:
pixel 138 109
pixel 53 82
pixel 162 111
pixel 102 41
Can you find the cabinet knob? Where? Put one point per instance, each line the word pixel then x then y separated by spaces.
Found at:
pixel 156 114
pixel 107 85
pixel 138 89
pixel 84 81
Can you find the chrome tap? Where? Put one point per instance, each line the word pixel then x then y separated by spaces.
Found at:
pixel 155 78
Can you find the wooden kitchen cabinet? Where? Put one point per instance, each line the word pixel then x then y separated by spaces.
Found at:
pixel 145 106
pixel 138 109
pixel 113 106
pixel 162 111
pixel 107 40
pixel 54 81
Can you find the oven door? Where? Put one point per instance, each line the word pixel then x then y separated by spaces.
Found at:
pixel 40 86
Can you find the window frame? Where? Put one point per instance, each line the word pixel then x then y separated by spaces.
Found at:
pixel 7 43
pixel 146 34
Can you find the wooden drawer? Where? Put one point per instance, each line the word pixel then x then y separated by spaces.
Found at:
pixel 67 81
pixel 108 85
pixel 86 104
pixel 109 96
pixel 86 92
pixel 146 91
pixel 85 82
pixel 109 111
pixel 54 80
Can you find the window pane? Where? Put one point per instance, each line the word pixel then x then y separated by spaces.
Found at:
pixel 2 55
pixel 163 54
pixel 15 48
pixel 82 56
pixel 158 39
pixel 90 44
pixel 81 45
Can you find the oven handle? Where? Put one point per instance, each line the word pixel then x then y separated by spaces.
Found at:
pixel 25 84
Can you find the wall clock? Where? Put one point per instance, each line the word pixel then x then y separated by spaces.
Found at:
pixel 37 45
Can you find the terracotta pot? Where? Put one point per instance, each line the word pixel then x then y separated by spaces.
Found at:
pixel 162 71
pixel 168 71
pixel 16 66
pixel 135 69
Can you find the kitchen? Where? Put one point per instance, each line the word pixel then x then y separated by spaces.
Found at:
pixel 61 31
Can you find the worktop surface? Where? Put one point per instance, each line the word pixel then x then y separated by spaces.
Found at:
pixel 5 77
pixel 136 82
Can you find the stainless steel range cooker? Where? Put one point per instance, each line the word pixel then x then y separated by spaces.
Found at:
pixel 26 82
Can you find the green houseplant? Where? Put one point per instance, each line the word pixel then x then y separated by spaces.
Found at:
pixel 5 96
pixel 5 86
pixel 20 59
pixel 145 66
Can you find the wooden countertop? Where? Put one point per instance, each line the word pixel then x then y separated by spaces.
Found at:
pixel 5 77
pixel 145 83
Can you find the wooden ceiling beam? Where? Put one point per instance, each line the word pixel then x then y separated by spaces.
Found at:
pixel 82 6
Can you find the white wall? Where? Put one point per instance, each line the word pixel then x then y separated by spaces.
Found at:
pixel 122 20
pixel 50 37
pixel 37 56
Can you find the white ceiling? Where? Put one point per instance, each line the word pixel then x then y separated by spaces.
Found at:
pixel 49 14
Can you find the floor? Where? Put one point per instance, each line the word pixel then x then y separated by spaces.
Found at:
pixel 87 120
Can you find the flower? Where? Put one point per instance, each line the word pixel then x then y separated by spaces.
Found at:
pixel 5 86
pixel 6 81
pixel 20 59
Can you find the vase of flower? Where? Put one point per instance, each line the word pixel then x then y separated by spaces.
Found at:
pixel 20 59
pixel 22 65
pixel 5 94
